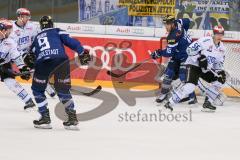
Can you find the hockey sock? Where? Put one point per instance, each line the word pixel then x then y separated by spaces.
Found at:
pixel 50 90
pixel 16 88
pixel 41 100
pixel 166 85
pixel 66 99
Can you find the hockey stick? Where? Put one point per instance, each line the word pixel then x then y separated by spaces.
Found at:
pixel 96 90
pixel 12 72
pixel 228 75
pixel 233 88
pixel 112 74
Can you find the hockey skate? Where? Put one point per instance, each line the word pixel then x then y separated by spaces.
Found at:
pixel 44 122
pixel 193 100
pixel 30 106
pixel 72 122
pixel 168 106
pixel 207 106
pixel 161 98
pixel 189 100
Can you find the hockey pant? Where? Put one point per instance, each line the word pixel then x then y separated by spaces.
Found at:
pixel 175 69
pixel 12 84
pixel 194 73
pixel 60 70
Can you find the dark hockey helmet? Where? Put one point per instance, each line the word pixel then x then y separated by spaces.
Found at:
pixel 46 22
pixel 169 19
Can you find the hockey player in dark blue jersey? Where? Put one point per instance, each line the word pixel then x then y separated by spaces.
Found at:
pixel 178 40
pixel 52 60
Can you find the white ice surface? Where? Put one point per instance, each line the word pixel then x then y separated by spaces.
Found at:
pixel 209 136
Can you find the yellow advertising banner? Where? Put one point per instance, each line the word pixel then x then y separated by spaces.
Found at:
pixel 149 7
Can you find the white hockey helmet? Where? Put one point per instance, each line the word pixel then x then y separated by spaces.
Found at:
pixel 218 30
pixel 23 11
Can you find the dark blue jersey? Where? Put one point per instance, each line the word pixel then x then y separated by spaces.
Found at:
pixel 49 44
pixel 178 40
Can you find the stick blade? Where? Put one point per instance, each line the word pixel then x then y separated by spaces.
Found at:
pixel 95 91
pixel 110 73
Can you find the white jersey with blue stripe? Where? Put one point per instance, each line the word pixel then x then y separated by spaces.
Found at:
pixel 9 52
pixel 24 36
pixel 205 46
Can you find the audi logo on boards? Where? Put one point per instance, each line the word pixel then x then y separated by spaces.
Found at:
pixel 88 28
pixel 138 31
pixel 115 55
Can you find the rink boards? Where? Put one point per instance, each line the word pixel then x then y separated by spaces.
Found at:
pixel 119 48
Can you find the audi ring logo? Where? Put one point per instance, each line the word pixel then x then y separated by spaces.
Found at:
pixel 106 55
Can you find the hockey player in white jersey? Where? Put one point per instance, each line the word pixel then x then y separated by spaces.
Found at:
pixel 24 32
pixel 9 53
pixel 205 61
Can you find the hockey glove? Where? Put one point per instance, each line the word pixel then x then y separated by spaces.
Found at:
pixel 29 60
pixel 7 71
pixel 2 60
pixel 222 76
pixel 154 54
pixel 203 63
pixel 85 57
pixel 25 70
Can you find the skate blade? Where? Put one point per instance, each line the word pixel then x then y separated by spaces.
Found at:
pixel 208 110
pixel 43 126
pixel 73 128
pixel 169 110
pixel 160 103
pixel 32 109
pixel 193 105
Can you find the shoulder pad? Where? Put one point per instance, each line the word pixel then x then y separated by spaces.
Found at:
pixel 60 31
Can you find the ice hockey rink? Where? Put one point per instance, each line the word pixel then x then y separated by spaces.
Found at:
pixel 210 136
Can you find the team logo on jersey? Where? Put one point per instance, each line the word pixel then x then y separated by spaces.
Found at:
pixel 211 60
pixel 23 40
